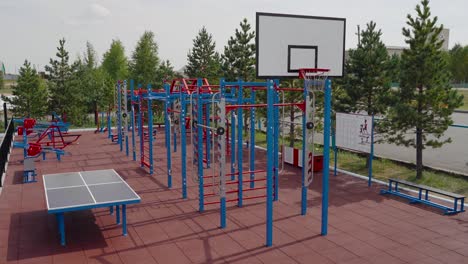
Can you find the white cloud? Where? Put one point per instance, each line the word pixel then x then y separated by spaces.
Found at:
pixel 98 10
pixel 92 14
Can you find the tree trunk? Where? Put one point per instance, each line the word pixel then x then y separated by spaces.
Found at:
pixel 291 127
pixel 419 153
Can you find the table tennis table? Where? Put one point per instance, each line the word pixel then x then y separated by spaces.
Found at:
pixel 75 191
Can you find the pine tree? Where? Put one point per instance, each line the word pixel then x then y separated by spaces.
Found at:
pixel 238 60
pixel 203 60
pixel 459 63
pixel 367 80
pixel 425 100
pixel 166 71
pixel 145 60
pixel 29 95
pixel 115 62
pixel 59 72
pixel 90 56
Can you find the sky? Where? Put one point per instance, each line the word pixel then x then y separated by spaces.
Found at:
pixel 31 28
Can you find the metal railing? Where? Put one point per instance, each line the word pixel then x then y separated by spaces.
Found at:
pixel 5 148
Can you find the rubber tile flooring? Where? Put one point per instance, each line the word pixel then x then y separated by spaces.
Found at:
pixel 364 227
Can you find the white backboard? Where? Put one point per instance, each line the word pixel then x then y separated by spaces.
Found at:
pixel 353 131
pixel 286 43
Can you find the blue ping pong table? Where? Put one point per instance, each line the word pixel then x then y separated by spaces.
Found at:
pixel 75 191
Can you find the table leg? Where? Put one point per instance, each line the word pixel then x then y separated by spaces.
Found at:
pixel 427 195
pixel 61 224
pixel 124 219
pixel 111 210
pixel 455 205
pixel 117 214
pixel 462 206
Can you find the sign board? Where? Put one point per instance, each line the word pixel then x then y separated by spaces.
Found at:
pixel 354 131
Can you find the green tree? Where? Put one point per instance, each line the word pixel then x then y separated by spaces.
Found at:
pixel 145 60
pixel 59 72
pixel 394 68
pixel 238 60
pixel 367 79
pixel 29 94
pixel 425 100
pixel 166 71
pixel 203 60
pixel 114 61
pixel 459 63
pixel 90 56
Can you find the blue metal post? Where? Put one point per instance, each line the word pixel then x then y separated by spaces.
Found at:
pixel 276 147
pixel 174 134
pixel 252 139
pixel 371 156
pixel 109 125
pixel 124 219
pixel 61 224
pixel 140 128
pixel 167 128
pixel 270 164
pixel 223 212
pixel 132 87
pixel 150 131
pixel 304 153
pixel 240 132
pixel 183 147
pixel 326 156
pixel 201 206
pixel 25 142
pixel 111 210
pixel 119 116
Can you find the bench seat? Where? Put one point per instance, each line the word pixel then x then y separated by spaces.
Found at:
pixel 458 203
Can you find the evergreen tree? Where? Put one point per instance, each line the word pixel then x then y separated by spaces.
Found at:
pixel 458 57
pixel 238 60
pixel 166 71
pixel 425 100
pixel 29 95
pixel 394 68
pixel 90 56
pixel 59 72
pixel 203 60
pixel 367 79
pixel 145 60
pixel 115 62
pixel 79 89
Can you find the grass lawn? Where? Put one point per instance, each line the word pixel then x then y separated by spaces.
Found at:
pixel 384 169
pixel 465 100
pixel 7 89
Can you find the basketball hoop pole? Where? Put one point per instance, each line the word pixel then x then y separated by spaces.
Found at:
pixel 315 79
pixel 326 156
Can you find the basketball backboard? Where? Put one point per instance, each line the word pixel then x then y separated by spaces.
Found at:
pixel 286 43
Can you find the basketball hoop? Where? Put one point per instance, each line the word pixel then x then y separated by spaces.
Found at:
pixel 314 78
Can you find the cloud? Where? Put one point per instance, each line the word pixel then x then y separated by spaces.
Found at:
pixel 92 14
pixel 98 11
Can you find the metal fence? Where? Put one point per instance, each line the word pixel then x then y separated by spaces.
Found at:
pixel 5 148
